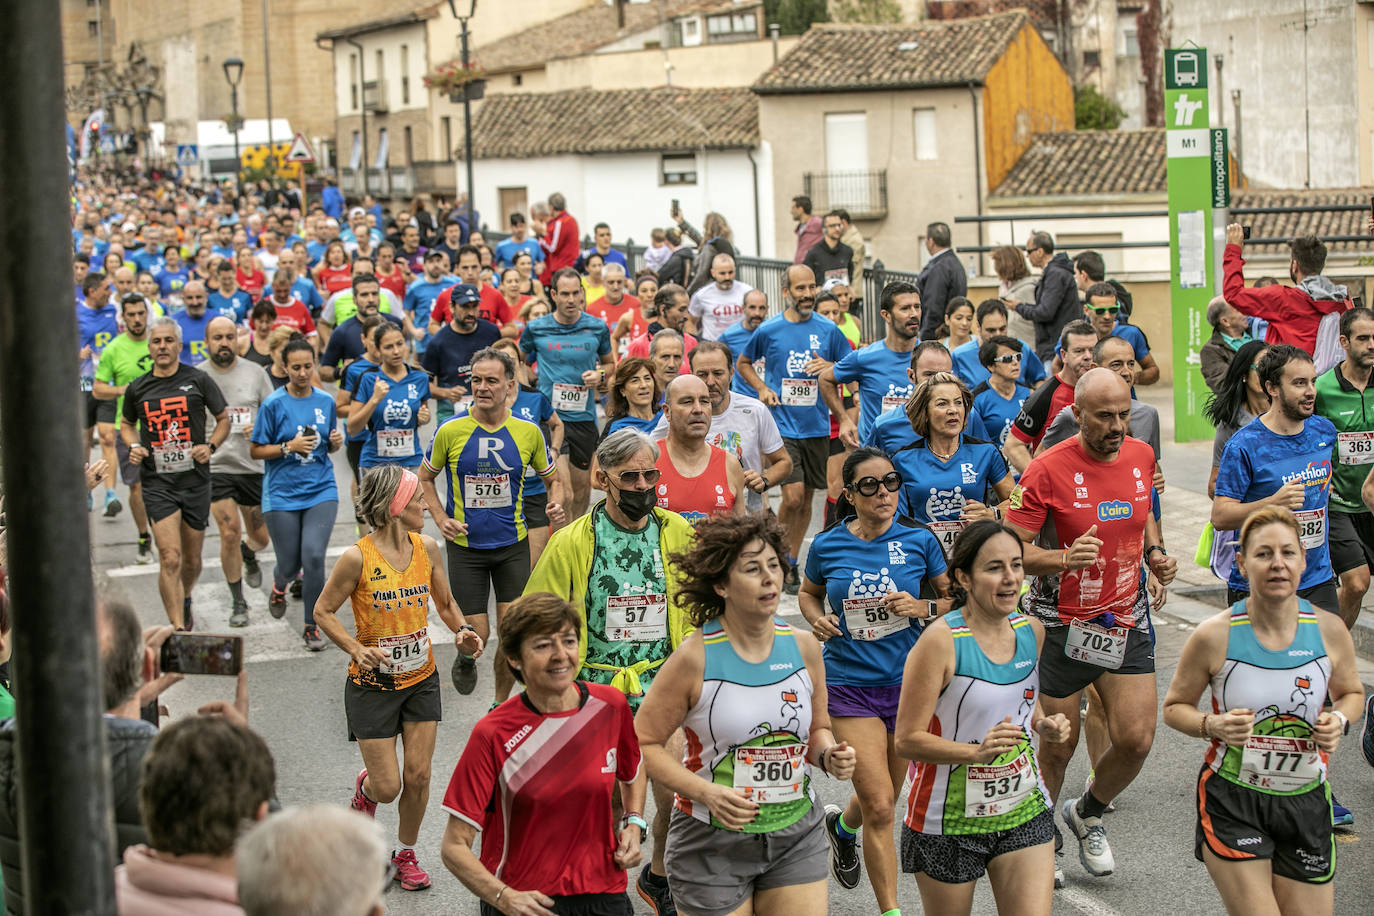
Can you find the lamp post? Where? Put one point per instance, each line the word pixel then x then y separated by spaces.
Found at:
pixel 233 72
pixel 467 113
pixel 144 93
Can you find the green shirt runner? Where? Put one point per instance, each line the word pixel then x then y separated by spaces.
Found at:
pixel 124 360
pixel 1351 411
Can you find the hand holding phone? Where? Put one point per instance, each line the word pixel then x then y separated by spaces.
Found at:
pixel 202 653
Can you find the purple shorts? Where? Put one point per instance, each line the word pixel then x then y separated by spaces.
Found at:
pixel 864 702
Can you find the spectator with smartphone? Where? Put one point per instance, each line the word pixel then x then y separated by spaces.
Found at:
pixel 1293 312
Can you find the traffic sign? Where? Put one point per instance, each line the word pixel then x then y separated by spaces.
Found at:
pixel 300 150
pixel 188 154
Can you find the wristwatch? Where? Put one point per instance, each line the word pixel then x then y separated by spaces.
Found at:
pixel 1152 548
pixel 1345 722
pixel 213 447
pixel 633 819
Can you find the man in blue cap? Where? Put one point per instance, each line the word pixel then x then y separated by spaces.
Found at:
pixel 448 357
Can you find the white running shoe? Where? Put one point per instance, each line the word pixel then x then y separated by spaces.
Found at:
pixel 1093 850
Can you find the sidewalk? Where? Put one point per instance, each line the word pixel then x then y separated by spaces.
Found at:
pixel 1187 466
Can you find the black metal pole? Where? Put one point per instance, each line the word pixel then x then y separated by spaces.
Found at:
pixel 238 161
pixel 65 823
pixel 467 136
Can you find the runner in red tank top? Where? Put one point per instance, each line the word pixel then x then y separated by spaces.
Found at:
pixel 697 480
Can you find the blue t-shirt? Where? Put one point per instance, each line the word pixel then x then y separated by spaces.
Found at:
pixel 449 355
pixel 419 300
pixel 972 373
pixel 934 491
pixel 314 250
pixel 882 377
pixel 193 348
pixel 997 412
pixel 151 261
pixel 564 352
pixel 352 375
pixel 506 251
pixel 346 343
pixel 308 293
pixel 899 561
pixel 532 406
pixel 238 306
pixel 786 347
pixel 170 282
pixel 294 482
pixel 394 427
pixel 95 328
pixel 1257 462
pixel 737 338
pixel 892 430
pixel 628 422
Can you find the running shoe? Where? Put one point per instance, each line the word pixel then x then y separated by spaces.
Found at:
pixel 1341 816
pixel 1093 850
pixel 1058 877
pixel 276 605
pixel 252 570
pixel 145 551
pixel 296 588
pixel 658 895
pixel 464 674
pixel 408 871
pixel 1367 734
pixel 845 864
pixel 1087 786
pixel 791 583
pixel 361 803
pixel 313 640
pixel 239 616
pixel 112 504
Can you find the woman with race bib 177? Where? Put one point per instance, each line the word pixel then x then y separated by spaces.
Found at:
pixel 1264 800
pixel 748 691
pixel 873 568
pixel 969 717
pixel 948 475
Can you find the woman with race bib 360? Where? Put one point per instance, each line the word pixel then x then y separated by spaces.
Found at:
pixel 949 475
pixel 391 403
pixel 390 577
pixel 969 718
pixel 748 691
pixel 872 567
pixel 1263 796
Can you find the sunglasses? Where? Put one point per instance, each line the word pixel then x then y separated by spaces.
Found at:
pixel 1105 310
pixel 630 478
pixel 1007 358
pixel 868 486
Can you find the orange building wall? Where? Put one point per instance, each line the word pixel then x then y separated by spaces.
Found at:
pixel 1026 92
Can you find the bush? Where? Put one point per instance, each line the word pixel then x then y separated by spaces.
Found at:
pixel 1094 111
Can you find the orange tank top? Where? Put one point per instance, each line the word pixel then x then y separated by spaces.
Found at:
pixel 391 611
pixel 694 498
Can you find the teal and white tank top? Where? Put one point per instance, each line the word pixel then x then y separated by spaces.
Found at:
pixel 1286 689
pixel 749 729
pixel 973 799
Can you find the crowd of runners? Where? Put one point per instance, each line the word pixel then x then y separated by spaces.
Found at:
pixel 621 463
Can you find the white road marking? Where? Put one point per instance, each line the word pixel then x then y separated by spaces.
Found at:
pixel 1084 902
pixel 264 558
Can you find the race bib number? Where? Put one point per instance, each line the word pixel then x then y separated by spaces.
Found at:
pixel 172 459
pixel 87 383
pixel 405 653
pixel 946 532
pixel 837 274
pixel 396 443
pixel 770 774
pixel 868 619
pixel 893 401
pixel 1105 648
pixel 636 618
pixel 487 491
pixel 800 392
pixel 571 398
pixel 1279 764
pixel 240 418
pixel 993 790
pixel 1311 527
pixel 1355 448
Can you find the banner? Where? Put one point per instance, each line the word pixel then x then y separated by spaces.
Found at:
pixel 1189 145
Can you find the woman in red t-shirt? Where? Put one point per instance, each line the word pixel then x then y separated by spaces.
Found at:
pixel 389 273
pixel 249 272
pixel 333 272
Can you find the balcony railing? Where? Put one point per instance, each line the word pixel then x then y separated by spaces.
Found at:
pixel 862 192
pixel 433 177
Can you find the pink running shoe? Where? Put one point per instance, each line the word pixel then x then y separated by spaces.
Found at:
pixel 360 801
pixel 408 871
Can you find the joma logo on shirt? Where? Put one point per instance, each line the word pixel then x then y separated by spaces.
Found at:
pixel 518 737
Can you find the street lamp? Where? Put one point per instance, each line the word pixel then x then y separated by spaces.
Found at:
pixel 467 113
pixel 145 93
pixel 233 72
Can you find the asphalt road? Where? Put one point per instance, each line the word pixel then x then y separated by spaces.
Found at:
pixel 297 706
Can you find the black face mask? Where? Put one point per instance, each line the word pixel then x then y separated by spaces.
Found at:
pixel 636 504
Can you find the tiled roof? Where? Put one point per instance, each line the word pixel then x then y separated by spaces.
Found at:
pixel 378 25
pixel 1088 163
pixel 1322 225
pixel 842 58
pixel 579 121
pixel 582 32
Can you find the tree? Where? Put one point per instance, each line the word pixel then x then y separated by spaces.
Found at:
pixel 1094 111
pixel 868 12
pixel 795 16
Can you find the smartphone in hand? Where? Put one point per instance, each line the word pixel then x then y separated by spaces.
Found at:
pixel 202 653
